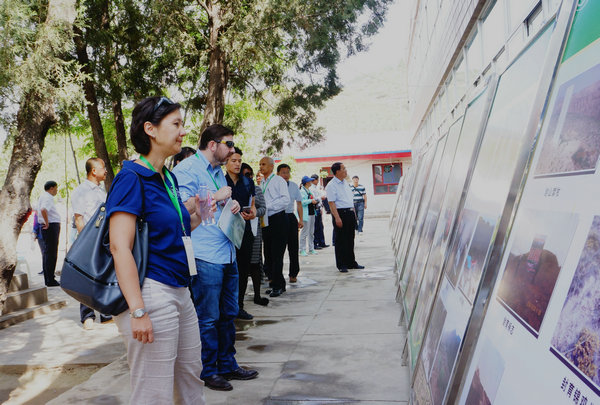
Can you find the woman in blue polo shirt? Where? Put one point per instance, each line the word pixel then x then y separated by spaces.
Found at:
pixel 161 327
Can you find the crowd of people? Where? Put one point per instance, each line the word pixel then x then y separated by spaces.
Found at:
pixel 179 330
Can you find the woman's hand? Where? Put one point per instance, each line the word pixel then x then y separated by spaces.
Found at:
pixel 235 207
pixel 249 216
pixel 141 329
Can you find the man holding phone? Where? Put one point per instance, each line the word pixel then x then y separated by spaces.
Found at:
pixel 242 191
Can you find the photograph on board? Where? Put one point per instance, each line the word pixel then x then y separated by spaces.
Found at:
pixel 464 232
pixel 539 248
pixel 572 139
pixel 576 338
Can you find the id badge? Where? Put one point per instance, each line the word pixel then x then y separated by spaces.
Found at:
pixel 189 253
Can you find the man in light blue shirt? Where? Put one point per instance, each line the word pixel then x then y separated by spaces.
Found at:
pixel 341 203
pixel 215 287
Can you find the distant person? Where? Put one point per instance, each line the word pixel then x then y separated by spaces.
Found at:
pixel 37 235
pixel 294 223
pixel 49 218
pixel 275 230
pixel 86 199
pixel 319 235
pixel 215 287
pixel 309 204
pixel 160 328
pixel 360 202
pixel 242 191
pixel 256 257
pixel 185 153
pixel 341 204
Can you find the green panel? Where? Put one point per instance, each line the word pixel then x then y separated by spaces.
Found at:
pixel 585 29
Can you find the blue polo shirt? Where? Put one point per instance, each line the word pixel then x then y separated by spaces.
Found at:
pixel 210 243
pixel 167 262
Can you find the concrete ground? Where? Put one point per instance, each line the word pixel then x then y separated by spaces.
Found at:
pixel 332 338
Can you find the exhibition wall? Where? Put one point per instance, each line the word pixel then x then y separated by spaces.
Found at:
pixel 496 232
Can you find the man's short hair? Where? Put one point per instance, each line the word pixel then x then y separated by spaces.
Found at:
pixel 283 166
pixel 89 164
pixel 49 185
pixel 355 177
pixel 238 151
pixel 214 132
pixel 314 177
pixel 336 167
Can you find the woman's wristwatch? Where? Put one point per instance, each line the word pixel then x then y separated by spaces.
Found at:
pixel 138 313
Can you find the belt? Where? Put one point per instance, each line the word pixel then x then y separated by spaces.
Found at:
pixel 345 209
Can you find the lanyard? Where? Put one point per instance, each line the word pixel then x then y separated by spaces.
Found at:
pixel 170 190
pixel 267 182
pixel 210 175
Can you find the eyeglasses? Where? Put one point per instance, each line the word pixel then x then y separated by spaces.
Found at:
pixel 229 144
pixel 161 101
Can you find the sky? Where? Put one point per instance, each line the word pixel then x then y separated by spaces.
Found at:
pixel 388 46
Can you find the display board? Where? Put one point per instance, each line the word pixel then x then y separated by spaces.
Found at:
pixel 476 226
pixel 466 133
pixel 420 220
pixel 540 339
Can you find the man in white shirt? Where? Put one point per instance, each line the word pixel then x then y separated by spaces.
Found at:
pixel 86 199
pixel 294 223
pixel 319 235
pixel 275 230
pixel 49 218
pixel 341 203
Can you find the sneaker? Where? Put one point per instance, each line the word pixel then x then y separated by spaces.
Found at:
pixel 313 252
pixel 242 314
pixel 88 324
pixel 303 253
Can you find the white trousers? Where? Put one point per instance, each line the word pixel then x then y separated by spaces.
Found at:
pixel 169 367
pixel 308 230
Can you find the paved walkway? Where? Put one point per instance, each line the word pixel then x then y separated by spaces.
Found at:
pixel 332 338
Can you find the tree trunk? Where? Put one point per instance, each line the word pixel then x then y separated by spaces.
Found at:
pixel 218 72
pixel 92 105
pixel 120 128
pixel 35 117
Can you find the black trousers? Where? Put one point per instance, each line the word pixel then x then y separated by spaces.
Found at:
pixel 243 256
pixel 293 245
pixel 319 234
pixel 275 240
pixel 344 239
pixel 50 253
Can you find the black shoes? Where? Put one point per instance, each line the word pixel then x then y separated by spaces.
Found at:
pixel 217 383
pixel 343 270
pixel 357 266
pixel 240 374
pixel 242 314
pixel 276 292
pixel 261 301
pixel 53 283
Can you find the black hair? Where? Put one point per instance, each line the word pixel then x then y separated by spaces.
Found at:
pixel 89 164
pixel 246 166
pixel 238 151
pixel 335 167
pixel 283 166
pixel 49 185
pixel 355 177
pixel 147 111
pixel 214 132
pixel 185 152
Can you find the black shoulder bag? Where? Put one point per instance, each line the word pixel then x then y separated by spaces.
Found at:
pixel 88 273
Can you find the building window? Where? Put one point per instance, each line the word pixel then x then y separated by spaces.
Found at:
pixel 386 177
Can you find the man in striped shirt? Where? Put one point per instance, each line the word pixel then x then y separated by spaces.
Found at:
pixel 360 202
